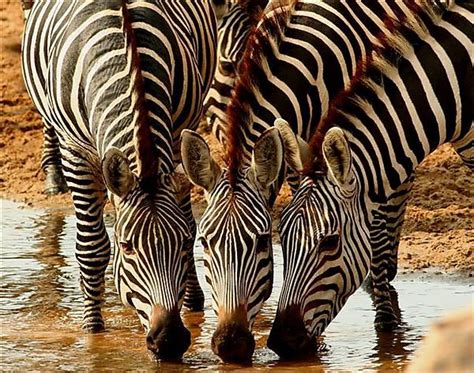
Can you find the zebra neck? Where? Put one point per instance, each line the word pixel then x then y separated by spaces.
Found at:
pixel 299 84
pixel 111 104
pixel 403 113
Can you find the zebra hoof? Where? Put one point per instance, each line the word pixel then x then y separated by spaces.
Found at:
pixel 93 327
pixel 55 182
pixel 385 323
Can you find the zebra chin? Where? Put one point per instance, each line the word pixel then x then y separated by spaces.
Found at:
pixel 232 341
pixel 167 337
pixel 289 337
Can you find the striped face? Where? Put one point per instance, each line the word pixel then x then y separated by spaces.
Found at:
pixel 150 264
pixel 326 250
pixel 235 232
pixel 233 31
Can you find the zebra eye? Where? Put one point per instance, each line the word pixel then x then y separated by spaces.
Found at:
pixel 127 248
pixel 263 243
pixel 329 243
pixel 205 246
pixel 226 68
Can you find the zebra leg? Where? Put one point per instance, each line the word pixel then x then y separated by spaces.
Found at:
pixel 55 182
pixel 92 242
pixel 395 216
pixel 385 318
pixel 194 296
pixel 385 240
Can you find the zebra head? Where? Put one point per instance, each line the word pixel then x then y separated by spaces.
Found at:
pixel 149 261
pixel 235 231
pixel 325 241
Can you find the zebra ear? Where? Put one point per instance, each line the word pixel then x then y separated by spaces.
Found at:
pixel 180 183
pixel 198 163
pixel 297 151
pixel 337 154
pixel 267 157
pixel 118 177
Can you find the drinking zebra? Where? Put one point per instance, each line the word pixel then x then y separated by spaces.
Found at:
pixel 413 93
pixel 233 31
pixel 119 81
pixel 297 59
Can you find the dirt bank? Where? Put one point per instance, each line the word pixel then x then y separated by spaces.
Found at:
pixel 439 228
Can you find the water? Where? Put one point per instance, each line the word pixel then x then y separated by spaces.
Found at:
pixel 40 313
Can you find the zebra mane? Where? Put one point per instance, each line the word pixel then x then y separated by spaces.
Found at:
pixel 381 57
pixel 253 8
pixel 260 44
pixel 146 151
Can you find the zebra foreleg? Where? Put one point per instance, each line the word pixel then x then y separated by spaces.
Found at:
pixel 92 242
pixel 55 182
pixel 194 296
pixel 394 216
pixel 385 318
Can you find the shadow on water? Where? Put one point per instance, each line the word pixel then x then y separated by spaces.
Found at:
pixel 41 306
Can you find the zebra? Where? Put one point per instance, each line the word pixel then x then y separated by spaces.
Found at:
pixel 410 94
pixel 119 81
pixel 233 31
pixel 297 59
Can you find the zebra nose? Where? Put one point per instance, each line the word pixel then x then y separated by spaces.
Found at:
pixel 233 342
pixel 289 338
pixel 167 338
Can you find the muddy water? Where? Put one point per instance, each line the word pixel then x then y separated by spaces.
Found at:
pixel 40 313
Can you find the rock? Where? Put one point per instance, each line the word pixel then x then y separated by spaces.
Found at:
pixel 449 345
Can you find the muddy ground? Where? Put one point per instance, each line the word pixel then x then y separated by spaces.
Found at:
pixel 439 227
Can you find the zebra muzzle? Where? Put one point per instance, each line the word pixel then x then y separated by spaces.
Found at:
pixel 232 341
pixel 167 338
pixel 289 337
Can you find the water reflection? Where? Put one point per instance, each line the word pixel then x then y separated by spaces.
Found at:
pixel 47 282
pixel 40 311
pixel 392 347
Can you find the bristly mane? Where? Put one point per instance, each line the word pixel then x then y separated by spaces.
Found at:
pixel 253 8
pixel 388 48
pixel 259 45
pixel 146 151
